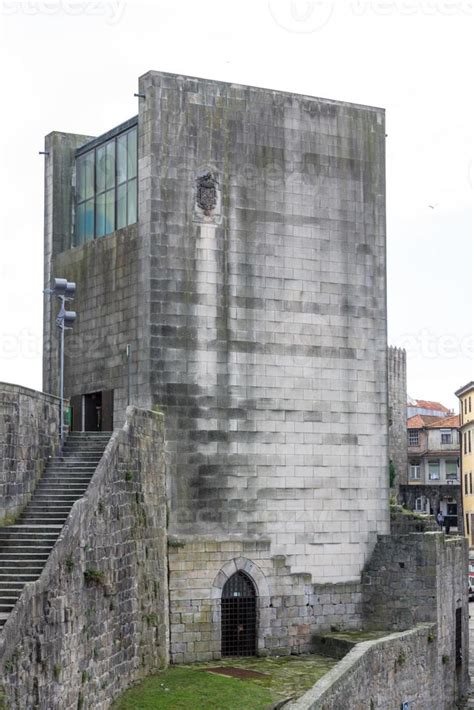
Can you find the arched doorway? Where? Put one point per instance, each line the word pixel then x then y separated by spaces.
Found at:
pixel 239 616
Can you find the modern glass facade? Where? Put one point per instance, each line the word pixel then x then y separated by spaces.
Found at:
pixel 106 187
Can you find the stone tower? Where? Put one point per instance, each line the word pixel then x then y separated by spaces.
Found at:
pixel 251 292
pixel 397 400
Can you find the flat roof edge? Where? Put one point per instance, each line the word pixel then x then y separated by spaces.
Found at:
pixel 465 388
pixel 263 88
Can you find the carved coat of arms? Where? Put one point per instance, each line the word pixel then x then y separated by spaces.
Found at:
pixel 206 192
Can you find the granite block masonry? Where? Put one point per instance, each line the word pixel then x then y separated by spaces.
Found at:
pixel 29 436
pixel 422 578
pixel 415 586
pixel 252 292
pixel 96 620
pixel 397 400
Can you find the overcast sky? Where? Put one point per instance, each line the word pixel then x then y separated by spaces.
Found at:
pixel 73 66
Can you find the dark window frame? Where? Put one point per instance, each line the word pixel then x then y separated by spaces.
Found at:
pixel 100 191
pixel 446 436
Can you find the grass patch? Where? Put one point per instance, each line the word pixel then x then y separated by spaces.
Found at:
pixel 184 688
pixel 94 576
pixel 189 687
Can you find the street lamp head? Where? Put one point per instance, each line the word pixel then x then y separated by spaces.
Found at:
pixel 62 287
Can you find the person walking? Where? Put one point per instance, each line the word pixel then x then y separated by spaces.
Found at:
pixel 440 519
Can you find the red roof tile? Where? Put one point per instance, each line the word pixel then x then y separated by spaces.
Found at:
pixel 445 423
pixel 419 421
pixel 426 404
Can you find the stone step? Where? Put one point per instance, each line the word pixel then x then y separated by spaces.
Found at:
pixel 13 575
pixel 76 471
pixel 27 535
pixel 52 504
pixel 54 492
pixel 54 477
pixel 27 564
pixel 48 510
pixel 59 486
pixel 80 455
pixel 65 496
pixel 39 544
pixel 71 471
pixel 23 577
pixel 24 552
pixel 10 593
pixel 26 545
pixel 9 597
pixel 80 451
pixel 99 439
pixel 46 519
pixel 6 607
pixel 89 445
pixel 31 555
pixel 31 518
pixel 52 484
pixel 85 434
pixel 71 474
pixel 66 467
pixel 52 529
pixel 58 499
pixel 59 482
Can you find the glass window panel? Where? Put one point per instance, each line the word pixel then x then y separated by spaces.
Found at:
pixel 122 158
pixel 433 467
pixel 79 225
pixel 109 211
pixel 132 153
pixel 89 175
pixel 100 215
pixel 100 168
pixel 80 169
pixel 132 202
pixel 89 220
pixel 110 165
pixel 121 206
pixel 106 188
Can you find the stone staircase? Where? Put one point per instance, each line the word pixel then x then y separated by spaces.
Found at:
pixel 25 546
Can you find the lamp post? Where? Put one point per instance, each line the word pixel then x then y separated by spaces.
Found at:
pixel 65 291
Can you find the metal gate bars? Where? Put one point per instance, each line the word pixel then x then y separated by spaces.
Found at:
pixel 239 616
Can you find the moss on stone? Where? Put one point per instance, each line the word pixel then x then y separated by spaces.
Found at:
pixel 357 636
pixel 284 676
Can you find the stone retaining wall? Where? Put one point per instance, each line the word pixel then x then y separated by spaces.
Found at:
pixel 422 578
pixel 403 522
pixel 381 674
pixel 29 435
pixel 96 619
pixel 415 585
